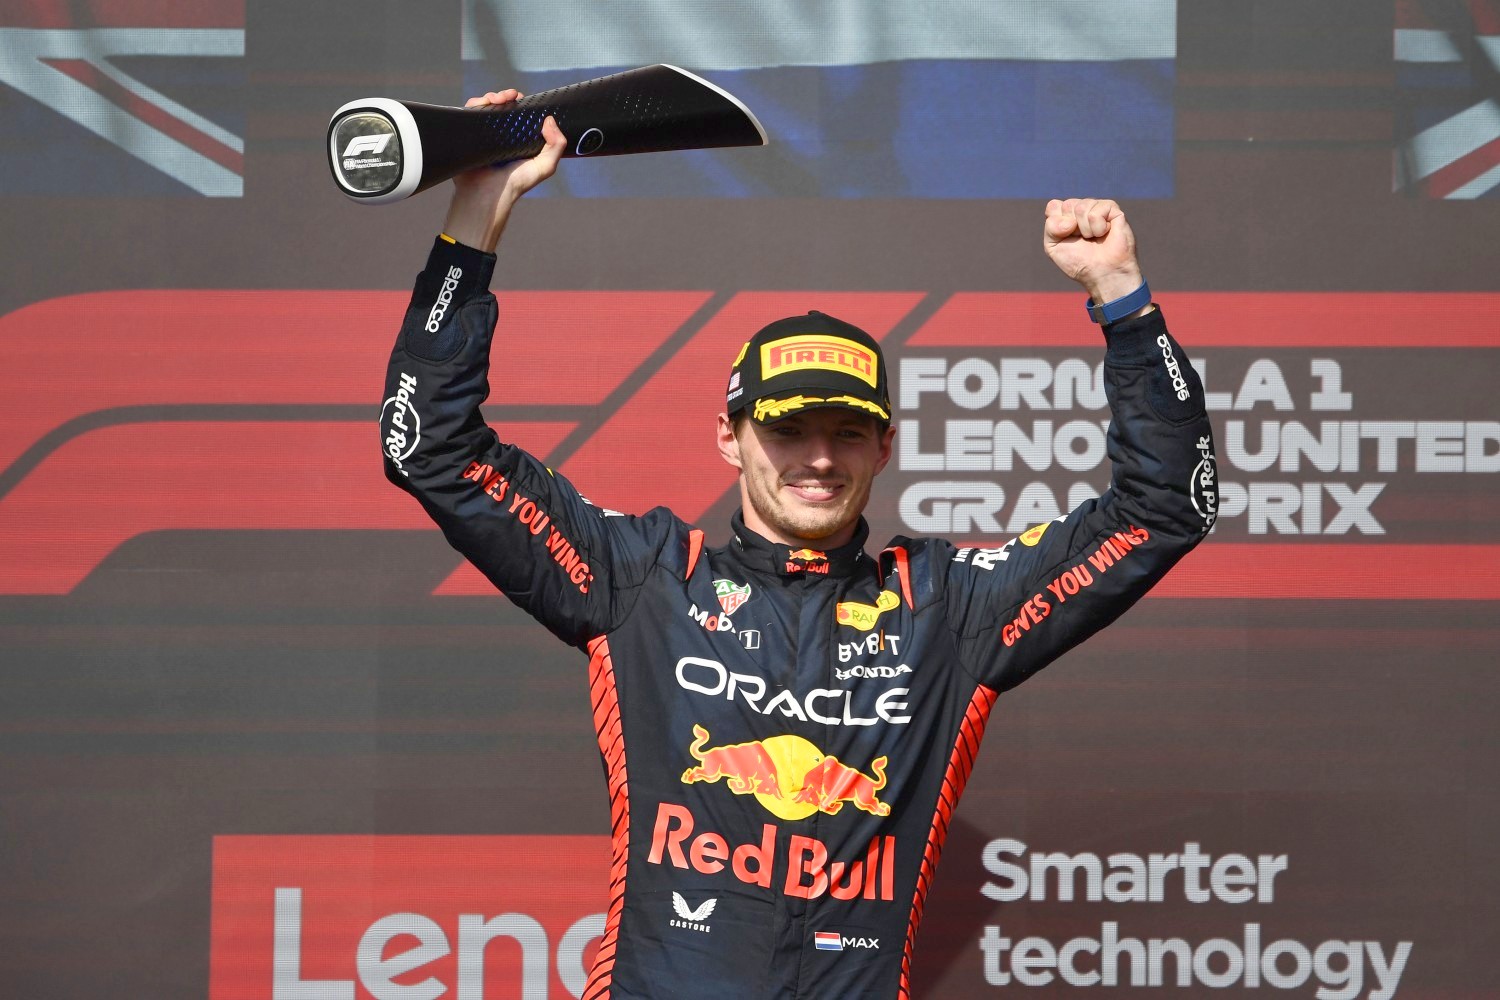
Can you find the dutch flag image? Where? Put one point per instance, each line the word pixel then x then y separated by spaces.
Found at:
pixel 827 941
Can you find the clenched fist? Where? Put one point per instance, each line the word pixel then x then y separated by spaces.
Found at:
pixel 1090 241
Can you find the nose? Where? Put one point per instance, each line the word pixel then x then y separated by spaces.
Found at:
pixel 818 453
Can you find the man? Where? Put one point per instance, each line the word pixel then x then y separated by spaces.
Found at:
pixel 787 722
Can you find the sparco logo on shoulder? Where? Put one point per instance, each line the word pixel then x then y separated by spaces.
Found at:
pixel 444 299
pixel 400 424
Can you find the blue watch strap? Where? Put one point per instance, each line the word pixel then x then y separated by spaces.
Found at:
pixel 1121 307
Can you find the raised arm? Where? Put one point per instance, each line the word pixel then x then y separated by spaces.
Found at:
pixel 528 530
pixel 1018 607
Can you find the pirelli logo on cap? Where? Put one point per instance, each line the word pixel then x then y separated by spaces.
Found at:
pixel 835 354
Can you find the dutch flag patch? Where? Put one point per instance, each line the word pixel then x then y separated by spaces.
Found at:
pixel 827 941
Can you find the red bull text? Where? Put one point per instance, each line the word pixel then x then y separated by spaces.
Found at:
pixel 809 872
pixel 806 561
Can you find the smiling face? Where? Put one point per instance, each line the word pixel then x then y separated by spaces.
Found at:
pixel 806 477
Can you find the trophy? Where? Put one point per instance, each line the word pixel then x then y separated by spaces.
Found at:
pixel 382 150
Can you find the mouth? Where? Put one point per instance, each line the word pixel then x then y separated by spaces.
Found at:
pixel 812 492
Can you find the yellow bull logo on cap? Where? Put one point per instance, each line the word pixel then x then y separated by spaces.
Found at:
pixel 864 616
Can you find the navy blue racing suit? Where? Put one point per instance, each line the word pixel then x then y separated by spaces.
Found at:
pixel 785 732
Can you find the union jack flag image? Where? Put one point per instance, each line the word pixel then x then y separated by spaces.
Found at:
pixel 1448 74
pixel 122 97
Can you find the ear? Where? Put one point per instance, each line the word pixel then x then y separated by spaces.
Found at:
pixel 729 445
pixel 887 440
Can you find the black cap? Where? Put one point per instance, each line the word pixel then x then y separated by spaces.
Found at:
pixel 806 362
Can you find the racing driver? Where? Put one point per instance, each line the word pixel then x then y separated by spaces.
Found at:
pixel 787 722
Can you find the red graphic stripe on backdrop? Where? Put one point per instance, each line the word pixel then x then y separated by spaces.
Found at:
pixel 1335 572
pixel 199 142
pixel 666 427
pixel 1226 319
pixel 110 485
pixel 126 14
pixel 83 353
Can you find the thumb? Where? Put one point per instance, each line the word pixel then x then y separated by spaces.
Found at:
pixel 527 174
pixel 556 144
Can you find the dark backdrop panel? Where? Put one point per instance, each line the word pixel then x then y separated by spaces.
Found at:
pixel 217 622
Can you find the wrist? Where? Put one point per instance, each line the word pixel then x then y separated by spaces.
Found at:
pixel 478 220
pixel 1125 305
pixel 1108 287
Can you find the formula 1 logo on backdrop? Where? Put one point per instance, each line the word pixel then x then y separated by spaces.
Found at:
pixel 288 416
pixel 289 413
pixel 297 383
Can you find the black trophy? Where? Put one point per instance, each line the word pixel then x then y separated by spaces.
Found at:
pixel 382 150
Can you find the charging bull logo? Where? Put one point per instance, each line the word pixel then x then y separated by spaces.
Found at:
pixel 788 775
pixel 747 766
pixel 829 785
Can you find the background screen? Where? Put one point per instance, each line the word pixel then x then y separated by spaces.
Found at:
pixel 256 712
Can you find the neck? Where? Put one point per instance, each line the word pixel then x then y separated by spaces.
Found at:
pixel 810 558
